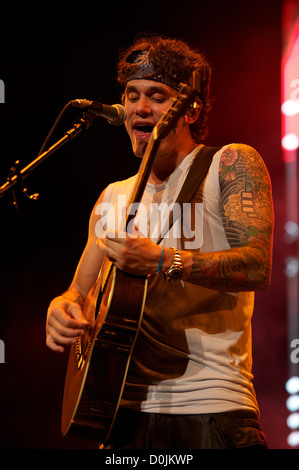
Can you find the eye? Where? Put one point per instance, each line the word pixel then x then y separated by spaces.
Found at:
pixel 158 98
pixel 132 96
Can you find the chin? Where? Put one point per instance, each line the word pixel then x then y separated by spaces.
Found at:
pixel 139 150
pixel 137 154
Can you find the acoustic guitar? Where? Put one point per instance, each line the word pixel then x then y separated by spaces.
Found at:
pixel 99 360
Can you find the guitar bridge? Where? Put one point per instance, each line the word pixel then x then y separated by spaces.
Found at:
pixel 79 353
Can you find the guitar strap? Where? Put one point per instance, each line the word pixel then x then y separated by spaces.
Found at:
pixel 194 179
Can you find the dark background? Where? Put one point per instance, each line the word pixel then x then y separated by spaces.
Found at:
pixel 51 53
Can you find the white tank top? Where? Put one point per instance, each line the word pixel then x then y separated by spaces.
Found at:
pixel 193 352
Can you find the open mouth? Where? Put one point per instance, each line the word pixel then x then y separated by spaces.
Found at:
pixel 144 129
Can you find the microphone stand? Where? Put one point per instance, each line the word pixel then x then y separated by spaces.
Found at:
pixel 17 176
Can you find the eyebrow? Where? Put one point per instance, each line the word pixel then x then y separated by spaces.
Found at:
pixel 153 89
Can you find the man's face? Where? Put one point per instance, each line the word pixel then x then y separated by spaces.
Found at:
pixel 145 102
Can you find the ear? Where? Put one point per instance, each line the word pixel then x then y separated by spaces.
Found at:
pixel 193 113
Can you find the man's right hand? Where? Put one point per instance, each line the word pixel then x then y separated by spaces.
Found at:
pixel 65 321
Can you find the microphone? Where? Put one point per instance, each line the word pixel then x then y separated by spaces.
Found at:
pixel 115 114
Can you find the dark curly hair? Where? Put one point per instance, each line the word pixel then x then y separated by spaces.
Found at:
pixel 173 62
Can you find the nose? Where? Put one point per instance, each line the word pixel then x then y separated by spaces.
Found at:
pixel 143 107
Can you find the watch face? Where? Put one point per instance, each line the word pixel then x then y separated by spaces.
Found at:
pixel 175 275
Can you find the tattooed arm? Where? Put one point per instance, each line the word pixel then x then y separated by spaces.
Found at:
pixel 247 214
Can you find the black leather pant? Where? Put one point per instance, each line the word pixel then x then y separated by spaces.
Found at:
pixel 230 430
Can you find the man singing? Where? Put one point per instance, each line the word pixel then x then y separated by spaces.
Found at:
pixel 189 384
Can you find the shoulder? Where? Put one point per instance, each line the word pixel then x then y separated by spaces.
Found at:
pixel 236 159
pixel 108 200
pixel 120 187
pixel 116 188
pixel 234 152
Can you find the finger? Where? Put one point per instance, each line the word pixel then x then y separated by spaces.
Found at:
pixel 58 331
pixel 62 328
pixel 115 235
pixel 75 313
pixel 109 248
pixel 56 342
pixel 100 245
pixel 61 317
pixel 135 233
pixel 68 313
pixel 53 345
pixel 58 336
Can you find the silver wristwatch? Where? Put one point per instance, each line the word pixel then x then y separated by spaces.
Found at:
pixel 175 272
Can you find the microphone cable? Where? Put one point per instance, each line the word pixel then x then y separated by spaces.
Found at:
pixel 52 130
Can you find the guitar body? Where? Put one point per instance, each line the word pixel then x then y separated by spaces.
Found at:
pixel 99 360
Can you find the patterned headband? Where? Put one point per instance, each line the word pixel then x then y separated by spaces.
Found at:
pixel 146 71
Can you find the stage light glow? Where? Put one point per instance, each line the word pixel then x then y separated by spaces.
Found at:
pixel 293 421
pixel 292 228
pixel 292 267
pixel 291 231
pixel 293 403
pixel 293 439
pixel 290 107
pixel 290 142
pixel 292 385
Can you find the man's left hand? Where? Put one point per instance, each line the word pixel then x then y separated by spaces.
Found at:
pixel 132 253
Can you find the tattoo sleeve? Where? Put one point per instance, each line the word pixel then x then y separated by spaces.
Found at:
pixel 247 215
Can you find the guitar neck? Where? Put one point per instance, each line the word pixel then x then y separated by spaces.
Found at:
pixel 142 178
